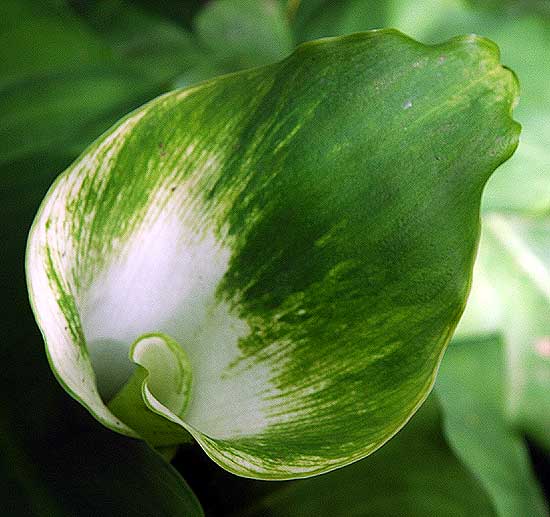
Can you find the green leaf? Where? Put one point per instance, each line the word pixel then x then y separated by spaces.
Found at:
pixel 511 296
pixel 471 390
pixel 22 491
pixel 146 43
pixel 244 33
pixel 96 473
pixel 305 231
pixel 36 39
pixel 64 111
pixel 322 18
pixel 138 481
pixel 62 85
pixel 180 13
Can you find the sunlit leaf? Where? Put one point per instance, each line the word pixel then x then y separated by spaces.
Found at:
pixel 511 296
pixel 471 390
pixel 244 33
pixel 305 231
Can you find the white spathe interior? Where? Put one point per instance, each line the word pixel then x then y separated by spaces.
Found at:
pixel 165 280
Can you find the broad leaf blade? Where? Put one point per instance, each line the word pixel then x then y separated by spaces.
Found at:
pixel 36 39
pixel 118 476
pixel 154 46
pixel 514 266
pixel 305 231
pixel 244 33
pixel 471 390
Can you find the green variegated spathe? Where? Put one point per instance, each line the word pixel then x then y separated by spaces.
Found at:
pixel 304 231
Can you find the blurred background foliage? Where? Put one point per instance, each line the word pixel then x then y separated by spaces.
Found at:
pixel 479 446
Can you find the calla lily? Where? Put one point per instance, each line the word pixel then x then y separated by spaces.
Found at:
pixel 273 261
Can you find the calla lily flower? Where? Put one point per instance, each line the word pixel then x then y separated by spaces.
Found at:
pixel 272 262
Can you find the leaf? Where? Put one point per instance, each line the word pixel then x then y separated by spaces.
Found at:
pixel 181 13
pixel 145 42
pixel 118 476
pixel 63 112
pixel 310 256
pixel 97 473
pixel 244 33
pixel 36 39
pixel 322 18
pixel 514 267
pixel 22 491
pixel 471 390
pixel 105 69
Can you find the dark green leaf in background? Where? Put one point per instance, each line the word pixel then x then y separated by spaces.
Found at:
pixel 104 475
pixel 155 47
pixel 324 18
pixel 90 474
pixel 41 37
